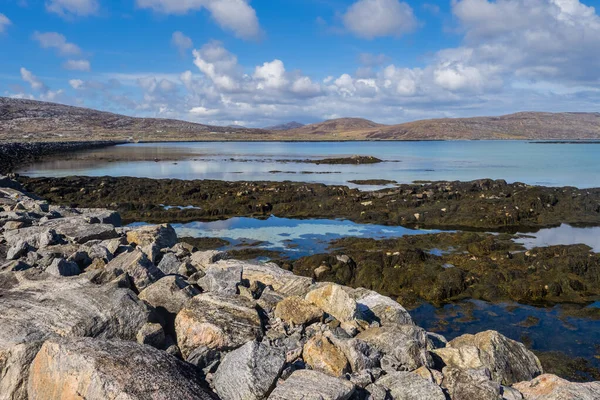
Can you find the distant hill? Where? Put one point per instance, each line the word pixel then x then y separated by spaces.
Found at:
pixel 335 127
pixel 285 127
pixel 524 125
pixel 28 120
pixel 36 120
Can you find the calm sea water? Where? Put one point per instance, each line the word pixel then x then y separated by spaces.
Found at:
pixel 532 163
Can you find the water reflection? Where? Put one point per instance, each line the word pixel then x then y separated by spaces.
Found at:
pixel 540 164
pixel 565 234
pixel 297 237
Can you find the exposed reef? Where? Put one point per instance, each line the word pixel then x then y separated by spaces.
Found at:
pixel 483 204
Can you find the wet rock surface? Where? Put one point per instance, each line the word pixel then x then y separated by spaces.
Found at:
pixel 124 329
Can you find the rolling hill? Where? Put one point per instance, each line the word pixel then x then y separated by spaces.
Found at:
pixel 28 120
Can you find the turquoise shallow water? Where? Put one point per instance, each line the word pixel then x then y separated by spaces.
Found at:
pixel 532 163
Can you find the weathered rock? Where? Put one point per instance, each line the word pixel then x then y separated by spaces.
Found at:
pixel 168 295
pixel 335 301
pixel 217 322
pixel 141 270
pixel 298 311
pixel 282 281
pixel 312 385
pixel 249 373
pixel 152 239
pixel 359 354
pixel 62 267
pixel 551 387
pixel 169 264
pixel 17 250
pixel 436 341
pixel 202 259
pixel 409 386
pixel 469 384
pixel 464 357
pixel 151 334
pixel 101 369
pixel 78 230
pixel 324 356
pixel 431 375
pixel 508 361
pixel 406 345
pixel 36 307
pixel 221 279
pixel 374 307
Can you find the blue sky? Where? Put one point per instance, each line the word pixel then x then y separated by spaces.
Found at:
pixel 260 62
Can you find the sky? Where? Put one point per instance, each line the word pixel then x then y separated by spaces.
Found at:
pixel 262 62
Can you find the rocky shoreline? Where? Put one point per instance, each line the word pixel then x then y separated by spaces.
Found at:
pixel 90 310
pixel 19 154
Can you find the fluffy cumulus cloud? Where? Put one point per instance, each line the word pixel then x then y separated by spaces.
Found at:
pixel 182 42
pixel 73 8
pixel 374 18
pixel 533 39
pixel 233 15
pixel 77 65
pixel 4 22
pixel 514 54
pixel 54 40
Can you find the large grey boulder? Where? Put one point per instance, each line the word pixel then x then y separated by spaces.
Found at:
pixel 79 230
pixel 469 384
pixel 169 264
pixel 217 322
pixel 270 274
pixel 62 267
pixel 168 296
pixel 335 301
pixel 312 385
pixel 137 265
pixel 249 373
pixel 404 346
pixel 202 259
pixel 375 307
pixel 551 387
pixel 508 361
pixel 95 369
pixel 221 279
pixel 410 386
pixel 152 239
pixel 37 306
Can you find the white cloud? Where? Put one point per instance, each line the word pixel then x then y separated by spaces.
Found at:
pixel 4 22
pixel 76 84
pixel 72 8
pixel 56 41
pixel 182 42
pixel 375 18
pixel 34 81
pixel 77 65
pixel 234 15
pixel 271 75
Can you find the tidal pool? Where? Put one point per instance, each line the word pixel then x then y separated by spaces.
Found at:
pixel 302 237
